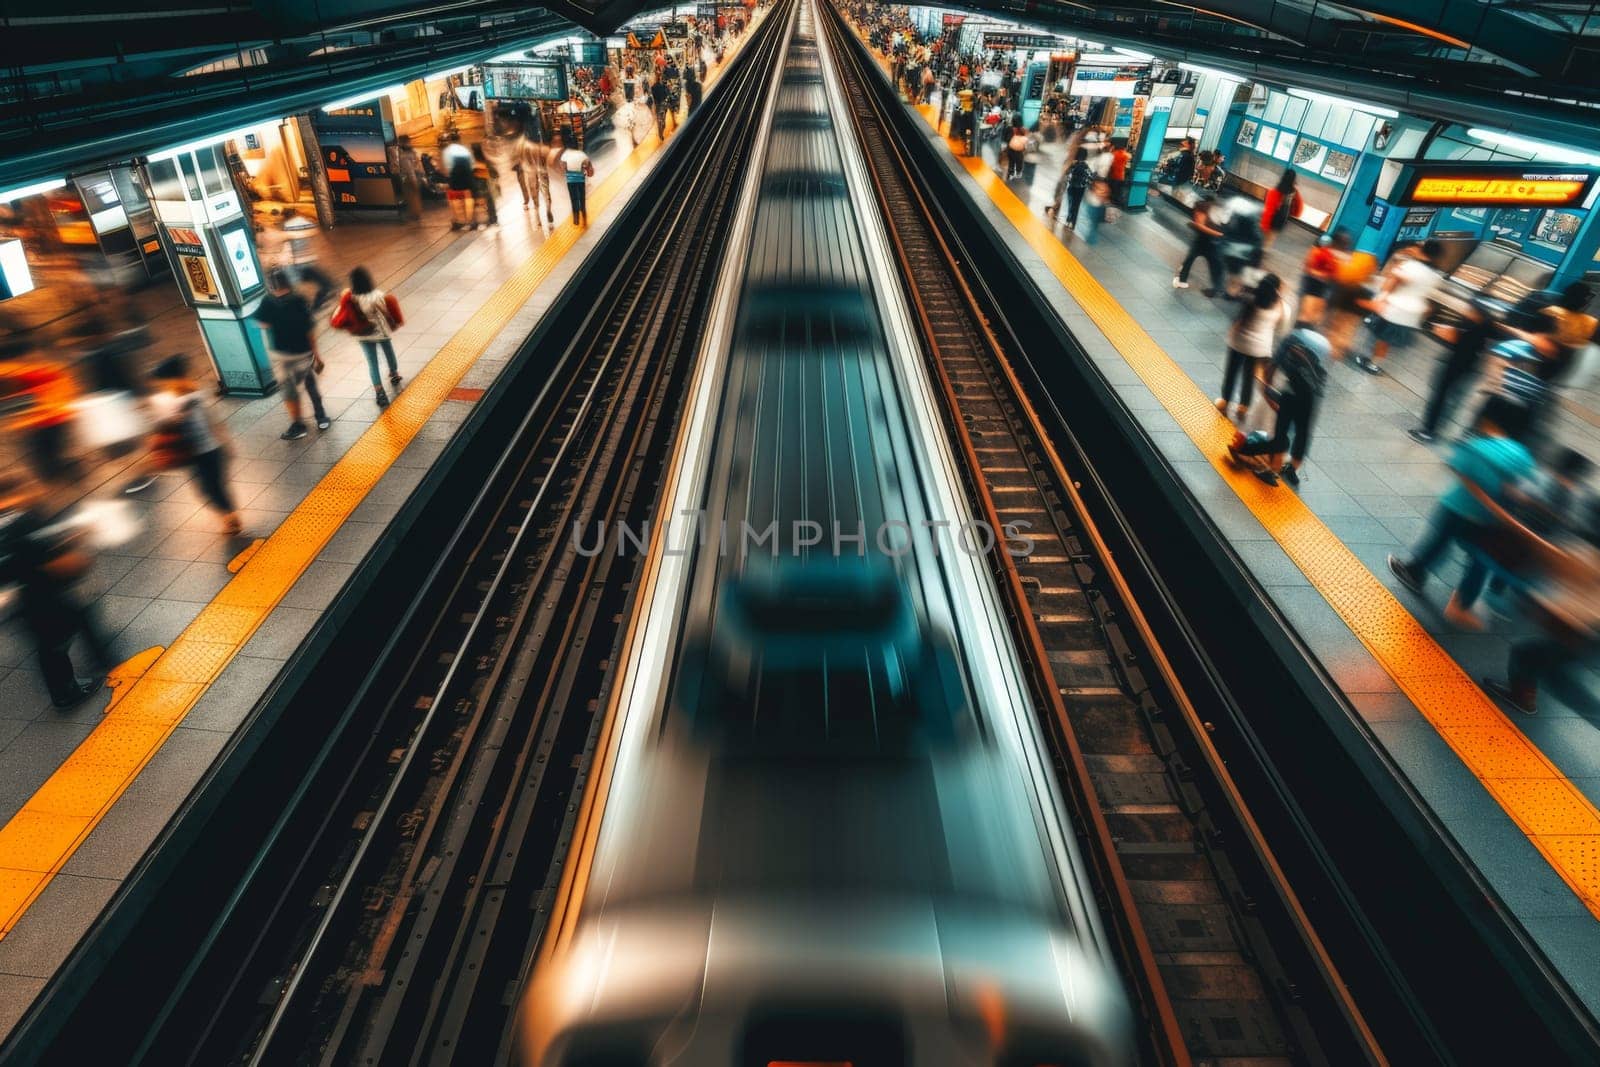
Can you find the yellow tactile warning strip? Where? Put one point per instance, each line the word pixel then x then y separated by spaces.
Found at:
pixel 1556 817
pixel 157 689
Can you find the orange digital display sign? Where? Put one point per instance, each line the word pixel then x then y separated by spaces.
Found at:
pixel 1518 192
pixel 1492 185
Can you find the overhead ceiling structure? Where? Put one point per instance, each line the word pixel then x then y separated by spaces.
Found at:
pixel 106 79
pixel 1529 65
pixel 103 78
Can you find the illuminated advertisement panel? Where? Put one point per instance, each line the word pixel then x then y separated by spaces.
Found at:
pixel 1519 186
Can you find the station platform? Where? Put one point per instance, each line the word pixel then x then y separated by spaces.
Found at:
pixel 1517 793
pixel 206 622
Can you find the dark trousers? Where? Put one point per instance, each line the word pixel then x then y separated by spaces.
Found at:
pixel 578 191
pixel 1294 417
pixel 1204 247
pixel 1446 391
pixel 52 628
pixel 1448 528
pixel 211 472
pixel 1242 368
pixel 1074 202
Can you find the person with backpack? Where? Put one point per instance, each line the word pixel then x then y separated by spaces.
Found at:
pixel 1078 175
pixel 185 438
pixel 372 315
pixel 292 350
pixel 1252 338
pixel 458 178
pixel 1282 204
pixel 578 170
pixel 1301 360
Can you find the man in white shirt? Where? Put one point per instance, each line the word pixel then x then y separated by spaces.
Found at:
pixel 1402 304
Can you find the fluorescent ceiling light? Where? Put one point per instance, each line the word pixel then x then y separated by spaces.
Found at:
pixel 1355 105
pixel 1143 57
pixel 31 190
pixel 183 149
pixel 1538 149
pixel 361 98
pixel 1209 72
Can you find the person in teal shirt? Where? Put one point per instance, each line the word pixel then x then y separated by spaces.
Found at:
pixel 1488 468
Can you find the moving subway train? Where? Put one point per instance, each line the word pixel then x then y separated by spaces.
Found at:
pixel 821 826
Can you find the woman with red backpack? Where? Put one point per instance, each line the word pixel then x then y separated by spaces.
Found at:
pixel 372 315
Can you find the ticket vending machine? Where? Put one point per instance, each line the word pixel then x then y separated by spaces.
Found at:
pixel 207 237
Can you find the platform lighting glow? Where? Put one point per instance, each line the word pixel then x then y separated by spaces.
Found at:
pixel 361 98
pixel 1211 72
pixel 1142 57
pixel 31 190
pixel 1354 105
pixel 204 142
pixel 1540 150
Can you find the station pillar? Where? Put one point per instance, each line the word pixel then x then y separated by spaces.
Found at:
pixel 206 234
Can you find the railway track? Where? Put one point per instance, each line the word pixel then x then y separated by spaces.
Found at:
pixel 404 911
pixel 1200 948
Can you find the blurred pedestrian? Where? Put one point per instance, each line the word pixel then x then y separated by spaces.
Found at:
pixel 372 315
pixel 40 393
pixel 484 180
pixel 458 175
pixel 1466 341
pixel 1489 468
pixel 1077 177
pixel 1282 204
pixel 409 169
pixel 1252 339
pixel 41 561
pixel 302 254
pixel 1205 233
pixel 292 349
pixel 532 176
pixel 1403 301
pixel 1321 269
pixel 1301 362
pixel 184 438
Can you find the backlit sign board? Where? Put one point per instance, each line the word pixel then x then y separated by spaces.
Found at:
pixel 1518 186
pixel 525 81
pixel 1017 42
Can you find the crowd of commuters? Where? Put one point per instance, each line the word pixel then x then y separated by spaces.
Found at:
pixel 1519 509
pixel 95 390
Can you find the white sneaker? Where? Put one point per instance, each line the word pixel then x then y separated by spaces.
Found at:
pixel 1179 283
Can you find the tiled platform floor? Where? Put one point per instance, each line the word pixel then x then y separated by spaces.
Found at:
pixel 1373 487
pixel 149 589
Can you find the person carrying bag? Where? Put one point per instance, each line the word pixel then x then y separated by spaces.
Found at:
pixel 371 316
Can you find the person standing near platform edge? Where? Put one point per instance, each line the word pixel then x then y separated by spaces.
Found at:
pixel 372 315
pixel 42 566
pixel 578 172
